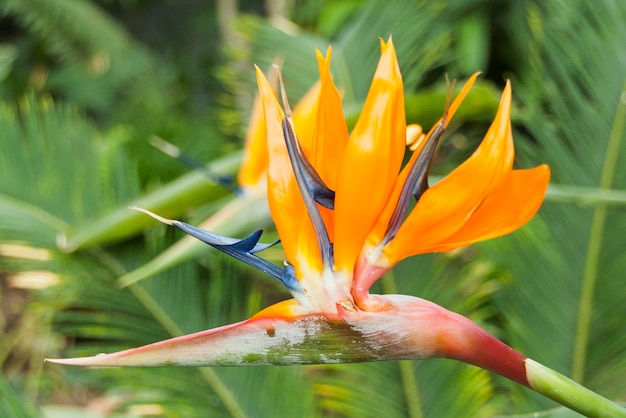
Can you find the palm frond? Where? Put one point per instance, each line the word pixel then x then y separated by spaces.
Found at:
pixel 45 190
pixel 77 31
pixel 566 268
pixel 420 41
pixel 38 167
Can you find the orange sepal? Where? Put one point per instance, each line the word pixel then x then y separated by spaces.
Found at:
pixel 377 233
pixel 373 156
pixel 331 131
pixel 254 162
pixel 508 208
pixel 331 134
pixel 304 115
pixel 286 309
pixel 285 201
pixel 444 208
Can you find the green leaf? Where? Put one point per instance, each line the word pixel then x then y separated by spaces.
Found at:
pixel 169 200
pixel 8 54
pixel 12 404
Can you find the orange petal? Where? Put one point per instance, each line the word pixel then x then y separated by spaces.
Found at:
pixel 445 207
pixel 322 131
pixel 378 232
pixel 461 96
pixel 304 117
pixel 331 131
pixel 285 309
pixel 254 162
pixel 331 134
pixel 371 160
pixel 508 208
pixel 285 201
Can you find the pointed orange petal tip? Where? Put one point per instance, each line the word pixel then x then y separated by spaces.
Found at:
pixel 454 106
pixel 377 140
pixel 284 197
pixel 386 44
pixel 508 91
pixel 505 210
pixel 323 60
pixel 266 92
pixel 446 206
pixel 330 132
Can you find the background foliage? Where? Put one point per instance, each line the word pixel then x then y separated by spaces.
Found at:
pixel 85 85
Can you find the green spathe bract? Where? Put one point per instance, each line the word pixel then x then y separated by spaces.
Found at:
pixel 408 328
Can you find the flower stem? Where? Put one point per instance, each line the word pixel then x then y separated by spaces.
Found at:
pixel 594 247
pixel 569 393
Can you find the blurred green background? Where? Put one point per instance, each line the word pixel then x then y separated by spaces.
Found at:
pixel 86 84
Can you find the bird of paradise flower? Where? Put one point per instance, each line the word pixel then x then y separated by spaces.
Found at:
pixel 342 205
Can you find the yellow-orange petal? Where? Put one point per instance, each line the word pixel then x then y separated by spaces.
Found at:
pixel 254 163
pixel 371 160
pixel 378 231
pixel 330 136
pixel 445 207
pixel 454 106
pixel 304 117
pixel 331 131
pixel 285 201
pixel 286 309
pixel 508 208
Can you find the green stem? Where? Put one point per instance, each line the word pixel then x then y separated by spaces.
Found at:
pixel 584 196
pixel 407 371
pixel 598 225
pixel 411 389
pixel 143 297
pixel 569 393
